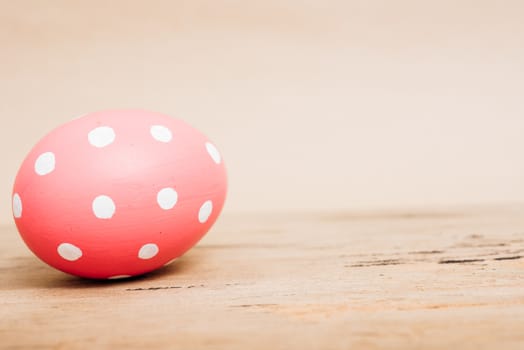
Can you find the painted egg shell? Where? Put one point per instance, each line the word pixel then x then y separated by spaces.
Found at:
pixel 118 193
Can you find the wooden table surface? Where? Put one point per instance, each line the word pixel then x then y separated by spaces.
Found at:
pixel 421 279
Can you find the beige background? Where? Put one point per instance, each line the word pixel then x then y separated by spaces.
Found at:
pixel 315 104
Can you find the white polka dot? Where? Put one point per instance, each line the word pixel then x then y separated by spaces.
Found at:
pixel 101 136
pixel 118 277
pixel 45 163
pixel 69 251
pixel 213 152
pixel 170 261
pixel 103 207
pixel 161 133
pixel 205 211
pixel 167 198
pixel 148 251
pixel 17 206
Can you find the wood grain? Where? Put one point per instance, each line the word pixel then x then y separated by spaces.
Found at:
pixel 400 280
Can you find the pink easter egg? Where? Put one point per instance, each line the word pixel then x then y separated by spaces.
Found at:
pixel 118 193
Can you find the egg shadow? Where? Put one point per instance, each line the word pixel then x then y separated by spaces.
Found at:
pixel 69 281
pixel 30 273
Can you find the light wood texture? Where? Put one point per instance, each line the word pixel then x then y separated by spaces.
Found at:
pixel 424 279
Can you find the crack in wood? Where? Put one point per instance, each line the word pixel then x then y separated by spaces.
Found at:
pixel 159 288
pixel 516 257
pixel 460 261
pixel 254 305
pixel 151 288
pixel 428 252
pixel 384 262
